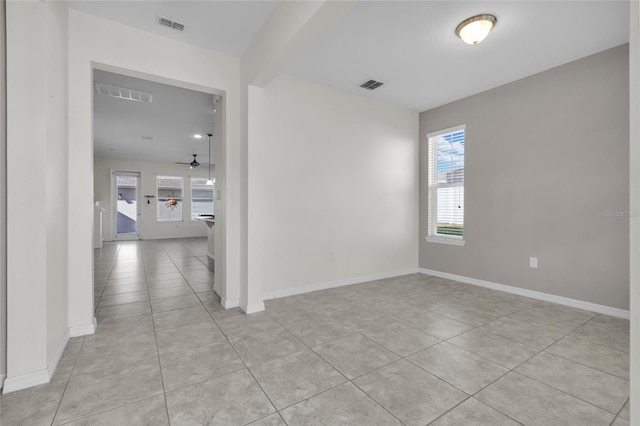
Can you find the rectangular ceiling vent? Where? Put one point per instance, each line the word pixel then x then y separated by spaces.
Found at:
pixel 371 85
pixel 170 23
pixel 122 93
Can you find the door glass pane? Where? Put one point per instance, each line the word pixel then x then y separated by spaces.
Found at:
pixel 127 211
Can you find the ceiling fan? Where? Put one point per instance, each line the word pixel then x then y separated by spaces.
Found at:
pixel 194 164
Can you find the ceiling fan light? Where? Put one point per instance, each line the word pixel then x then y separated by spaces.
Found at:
pixel 475 29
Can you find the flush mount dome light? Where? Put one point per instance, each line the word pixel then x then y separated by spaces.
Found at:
pixel 197 136
pixel 475 29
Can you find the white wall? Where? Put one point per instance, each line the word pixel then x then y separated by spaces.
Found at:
pixel 96 42
pixel 634 206
pixel 150 228
pixel 340 187
pixel 3 199
pixel 37 214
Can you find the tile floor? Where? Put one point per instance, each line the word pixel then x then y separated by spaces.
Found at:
pixel 413 350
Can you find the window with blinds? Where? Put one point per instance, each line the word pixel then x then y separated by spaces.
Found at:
pixel 446 184
pixel 169 198
pixel 201 197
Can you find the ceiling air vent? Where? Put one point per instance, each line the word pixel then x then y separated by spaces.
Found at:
pixel 170 23
pixel 122 93
pixel 371 85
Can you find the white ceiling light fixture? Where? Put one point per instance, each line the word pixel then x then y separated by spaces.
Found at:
pixel 197 136
pixel 475 29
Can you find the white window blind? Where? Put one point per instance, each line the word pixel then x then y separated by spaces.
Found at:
pixel 446 183
pixel 169 198
pixel 201 197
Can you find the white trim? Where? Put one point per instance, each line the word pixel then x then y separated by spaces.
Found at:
pixel 210 256
pixel 35 378
pixel 2 377
pixel 252 309
pixel 574 303
pixel 27 380
pixel 338 283
pixel 228 304
pixel 84 330
pixel 446 131
pixel 445 240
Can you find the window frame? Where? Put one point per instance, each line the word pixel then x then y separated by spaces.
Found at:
pixel 191 179
pixel 432 189
pixel 163 199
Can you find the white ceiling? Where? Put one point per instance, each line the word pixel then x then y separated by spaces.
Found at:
pixel 409 45
pixel 412 47
pixel 224 26
pixel 173 117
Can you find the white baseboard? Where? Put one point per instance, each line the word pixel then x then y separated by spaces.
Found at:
pixel 228 304
pixel 27 380
pixel 83 330
pixel 338 283
pixel 252 309
pixel 35 378
pixel 574 303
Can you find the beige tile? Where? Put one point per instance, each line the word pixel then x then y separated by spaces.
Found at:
pixel 592 354
pixel 180 317
pixel 163 293
pixel 355 355
pixel 112 289
pixel 600 389
pixel 172 303
pixel 437 325
pixel 532 403
pixel 123 311
pixel 613 339
pixel 536 334
pixel 607 322
pixel 263 346
pixel 33 406
pixel 458 367
pixel 188 336
pixel 233 399
pixel 296 377
pixel 344 405
pixel 625 412
pixel 148 412
pixel 93 393
pixel 271 420
pixel 473 412
pixel 400 338
pixel 493 347
pixel 123 298
pixel 620 422
pixel 198 364
pixel 412 395
pixel 320 331
pixel 235 325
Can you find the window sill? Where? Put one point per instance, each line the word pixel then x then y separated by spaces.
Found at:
pixel 443 240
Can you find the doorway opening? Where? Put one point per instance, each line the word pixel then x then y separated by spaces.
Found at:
pixel 126 209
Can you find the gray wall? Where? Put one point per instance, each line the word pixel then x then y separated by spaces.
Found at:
pixel 546 158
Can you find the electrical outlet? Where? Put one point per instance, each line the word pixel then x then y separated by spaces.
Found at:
pixel 533 262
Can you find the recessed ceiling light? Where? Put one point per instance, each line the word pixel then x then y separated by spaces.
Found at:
pixel 475 29
pixel 197 136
